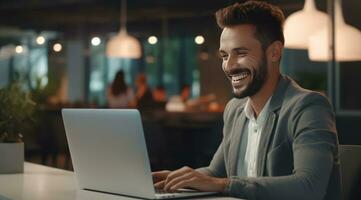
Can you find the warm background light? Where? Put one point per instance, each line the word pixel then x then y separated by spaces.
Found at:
pixel 347 41
pixel 124 46
pixel 152 40
pixel 95 41
pixel 57 47
pixel 199 39
pixel 40 40
pixel 299 26
pixel 19 49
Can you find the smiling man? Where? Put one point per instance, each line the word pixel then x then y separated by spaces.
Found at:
pixel 279 140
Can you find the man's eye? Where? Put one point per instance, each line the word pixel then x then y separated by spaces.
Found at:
pixel 241 53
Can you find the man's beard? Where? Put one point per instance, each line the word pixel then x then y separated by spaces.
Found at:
pixel 258 80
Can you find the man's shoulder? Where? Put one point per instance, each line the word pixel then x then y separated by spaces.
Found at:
pixel 235 104
pixel 296 96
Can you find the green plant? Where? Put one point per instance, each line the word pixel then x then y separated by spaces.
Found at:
pixel 16 109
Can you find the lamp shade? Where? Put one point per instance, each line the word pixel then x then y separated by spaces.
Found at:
pixel 300 25
pixel 124 46
pixel 347 41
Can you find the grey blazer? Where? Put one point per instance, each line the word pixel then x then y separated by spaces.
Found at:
pixel 298 150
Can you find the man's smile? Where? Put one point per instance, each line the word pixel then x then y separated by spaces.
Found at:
pixel 237 78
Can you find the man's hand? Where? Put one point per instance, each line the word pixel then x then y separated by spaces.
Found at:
pixel 186 177
pixel 159 177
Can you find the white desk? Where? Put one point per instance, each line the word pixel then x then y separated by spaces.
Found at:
pixel 45 183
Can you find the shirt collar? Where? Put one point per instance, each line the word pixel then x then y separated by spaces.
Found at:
pixel 263 114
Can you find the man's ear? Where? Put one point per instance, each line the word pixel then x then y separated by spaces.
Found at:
pixel 274 51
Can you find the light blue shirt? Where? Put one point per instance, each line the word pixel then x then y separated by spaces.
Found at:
pixel 247 162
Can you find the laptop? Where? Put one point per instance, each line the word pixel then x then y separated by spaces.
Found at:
pixel 109 153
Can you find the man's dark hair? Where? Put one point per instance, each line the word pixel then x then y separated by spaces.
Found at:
pixel 267 19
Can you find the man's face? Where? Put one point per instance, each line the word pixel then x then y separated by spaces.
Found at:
pixel 244 61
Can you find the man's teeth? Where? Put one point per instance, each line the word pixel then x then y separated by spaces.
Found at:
pixel 239 77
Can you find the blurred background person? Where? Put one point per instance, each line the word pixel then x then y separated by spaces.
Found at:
pixel 184 102
pixel 200 103
pixel 178 102
pixel 119 95
pixel 185 93
pixel 160 97
pixel 143 97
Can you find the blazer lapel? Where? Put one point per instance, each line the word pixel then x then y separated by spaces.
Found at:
pixel 234 148
pixel 265 139
pixel 268 129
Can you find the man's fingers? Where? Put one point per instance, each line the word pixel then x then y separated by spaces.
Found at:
pixel 176 180
pixel 161 172
pixel 159 185
pixel 160 175
pixel 183 184
pixel 177 173
pixel 162 178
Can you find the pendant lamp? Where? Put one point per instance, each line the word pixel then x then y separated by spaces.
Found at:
pixel 347 40
pixel 300 25
pixel 123 45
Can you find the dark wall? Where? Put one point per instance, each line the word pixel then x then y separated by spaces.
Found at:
pixel 212 78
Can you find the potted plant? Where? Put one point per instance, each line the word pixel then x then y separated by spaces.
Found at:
pixel 16 109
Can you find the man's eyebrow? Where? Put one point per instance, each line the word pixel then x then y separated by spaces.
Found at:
pixel 235 49
pixel 240 49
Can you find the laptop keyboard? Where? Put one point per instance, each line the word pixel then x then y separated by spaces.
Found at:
pixel 164 194
pixel 157 191
pixel 161 194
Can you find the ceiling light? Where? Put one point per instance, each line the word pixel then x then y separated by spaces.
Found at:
pixel 40 40
pixel 19 49
pixel 199 39
pixel 57 47
pixel 347 41
pixel 95 41
pixel 123 45
pixel 152 40
pixel 299 26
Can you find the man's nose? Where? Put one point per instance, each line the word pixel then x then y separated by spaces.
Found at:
pixel 231 63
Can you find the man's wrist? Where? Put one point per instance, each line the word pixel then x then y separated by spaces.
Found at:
pixel 223 184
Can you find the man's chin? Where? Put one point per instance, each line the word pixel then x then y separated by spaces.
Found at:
pixel 239 94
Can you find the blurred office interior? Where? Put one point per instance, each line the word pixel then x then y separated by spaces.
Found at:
pixel 58 51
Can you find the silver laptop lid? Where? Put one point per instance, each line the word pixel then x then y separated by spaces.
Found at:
pixel 108 151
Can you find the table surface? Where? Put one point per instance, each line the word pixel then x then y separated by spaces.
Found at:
pixel 40 182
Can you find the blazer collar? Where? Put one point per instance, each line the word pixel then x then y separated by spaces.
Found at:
pixel 277 97
pixel 278 94
pixel 275 104
pixel 269 129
